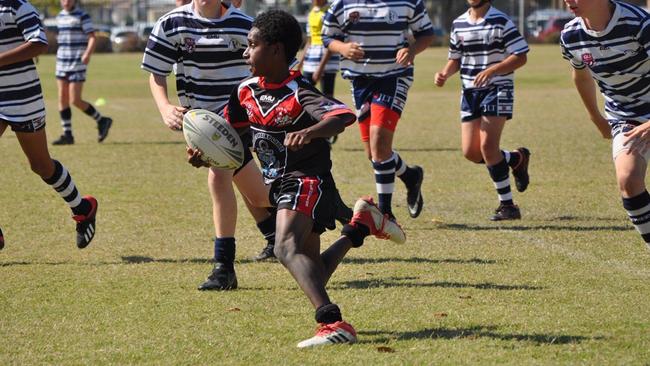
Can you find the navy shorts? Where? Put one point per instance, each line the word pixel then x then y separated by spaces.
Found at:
pixel 495 100
pixel 389 92
pixel 71 76
pixel 28 126
pixel 314 196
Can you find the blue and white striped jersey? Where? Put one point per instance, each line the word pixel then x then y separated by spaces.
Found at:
pixel 617 58
pixel 209 54
pixel 381 27
pixel 21 98
pixel 483 44
pixel 74 27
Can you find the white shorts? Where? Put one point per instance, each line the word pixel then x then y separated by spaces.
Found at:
pixel 618 147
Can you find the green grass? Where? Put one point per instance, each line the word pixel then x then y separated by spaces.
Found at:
pixel 568 284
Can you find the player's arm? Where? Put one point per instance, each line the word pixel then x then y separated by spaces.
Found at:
pixel 304 54
pixel 331 125
pixel 92 43
pixel 638 138
pixel 406 55
pixel 452 67
pixel 587 89
pixel 321 66
pixel 508 65
pixel 25 51
pixel 172 115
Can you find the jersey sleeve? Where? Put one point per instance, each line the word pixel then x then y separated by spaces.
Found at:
pixel 455 50
pixel 235 113
pixel 577 64
pixel 420 24
pixel 644 34
pixel 512 39
pixel 320 107
pixel 333 27
pixel 87 23
pixel 29 24
pixel 162 51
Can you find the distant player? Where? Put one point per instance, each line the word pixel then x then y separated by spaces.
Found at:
pixel 207 39
pixel 76 39
pixel 289 121
pixel 487 48
pixel 378 60
pixel 317 63
pixel 23 110
pixel 609 42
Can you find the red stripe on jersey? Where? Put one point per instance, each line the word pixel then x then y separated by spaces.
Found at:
pixel 339 112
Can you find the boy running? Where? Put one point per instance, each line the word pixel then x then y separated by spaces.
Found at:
pixel 609 42
pixel 371 38
pixel 23 110
pixel 76 39
pixel 289 121
pixel 487 48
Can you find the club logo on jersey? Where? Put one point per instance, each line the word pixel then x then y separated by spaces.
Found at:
pixel 189 45
pixel 282 118
pixel 391 17
pixel 588 59
pixel 354 17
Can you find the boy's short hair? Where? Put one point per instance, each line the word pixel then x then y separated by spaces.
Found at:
pixel 277 26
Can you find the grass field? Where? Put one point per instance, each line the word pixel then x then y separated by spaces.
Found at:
pixel 568 284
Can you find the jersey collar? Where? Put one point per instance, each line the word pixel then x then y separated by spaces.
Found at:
pixel 293 74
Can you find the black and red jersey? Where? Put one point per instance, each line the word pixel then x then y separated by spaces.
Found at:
pixel 273 110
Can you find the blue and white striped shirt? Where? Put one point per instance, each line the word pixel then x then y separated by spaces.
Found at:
pixel 21 98
pixel 73 27
pixel 617 58
pixel 380 27
pixel 209 53
pixel 483 44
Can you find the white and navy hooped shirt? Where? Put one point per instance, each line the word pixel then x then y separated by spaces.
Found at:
pixel 617 58
pixel 21 98
pixel 74 28
pixel 483 44
pixel 381 27
pixel 209 53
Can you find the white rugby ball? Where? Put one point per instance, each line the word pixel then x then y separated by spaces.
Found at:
pixel 214 137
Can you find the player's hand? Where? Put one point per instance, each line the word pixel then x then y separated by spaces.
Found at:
pixel 173 116
pixel 194 158
pixel 483 78
pixel 440 78
pixel 296 140
pixel 85 58
pixel 405 56
pixel 352 51
pixel 638 138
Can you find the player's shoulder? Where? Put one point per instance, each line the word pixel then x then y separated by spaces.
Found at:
pixel 630 11
pixel 238 13
pixel 250 81
pixel 497 16
pixel 14 4
pixel 571 30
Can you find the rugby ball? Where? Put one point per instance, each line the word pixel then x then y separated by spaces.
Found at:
pixel 218 141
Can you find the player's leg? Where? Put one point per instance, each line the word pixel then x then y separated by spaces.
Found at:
pixel 224 217
pixel 630 175
pixel 33 142
pixel 490 133
pixel 65 113
pixel 103 123
pixel 250 184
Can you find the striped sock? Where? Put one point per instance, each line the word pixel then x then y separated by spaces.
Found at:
pixel 638 209
pixel 403 172
pixel 512 157
pixel 501 178
pixel 61 181
pixel 385 182
pixel 92 112
pixel 66 121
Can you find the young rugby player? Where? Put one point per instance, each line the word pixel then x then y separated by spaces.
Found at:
pixel 76 39
pixel 289 121
pixel 207 38
pixel 609 42
pixel 487 48
pixel 371 38
pixel 23 110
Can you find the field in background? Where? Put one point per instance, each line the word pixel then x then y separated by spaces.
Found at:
pixel 569 284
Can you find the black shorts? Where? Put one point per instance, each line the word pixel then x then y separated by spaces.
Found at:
pixel 314 196
pixel 248 156
pixel 30 126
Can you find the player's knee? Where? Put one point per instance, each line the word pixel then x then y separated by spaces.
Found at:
pixel 284 250
pixel 472 155
pixel 79 103
pixel 630 184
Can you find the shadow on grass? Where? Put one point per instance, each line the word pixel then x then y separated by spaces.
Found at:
pixel 418 260
pixel 424 149
pixel 472 333
pixel 131 259
pixel 527 228
pixel 400 282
